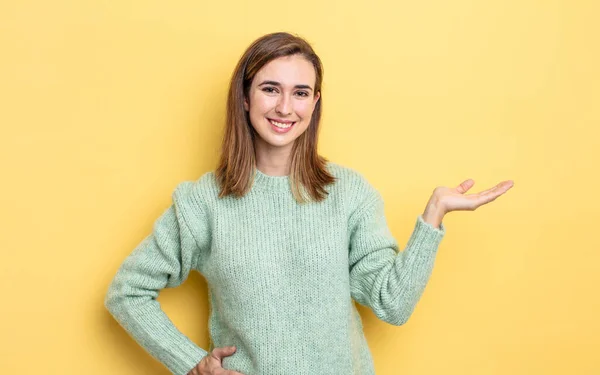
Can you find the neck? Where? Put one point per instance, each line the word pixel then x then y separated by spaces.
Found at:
pixel 273 161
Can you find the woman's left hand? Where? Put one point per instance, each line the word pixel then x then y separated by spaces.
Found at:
pixel 445 199
pixel 454 199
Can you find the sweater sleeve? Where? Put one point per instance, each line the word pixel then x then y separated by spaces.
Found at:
pixel 381 278
pixel 162 260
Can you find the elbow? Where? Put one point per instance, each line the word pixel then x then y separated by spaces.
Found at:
pixel 113 301
pixel 110 303
pixel 396 317
pixel 124 301
pixel 397 321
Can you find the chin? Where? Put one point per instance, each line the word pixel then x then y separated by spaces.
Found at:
pixel 271 138
pixel 276 143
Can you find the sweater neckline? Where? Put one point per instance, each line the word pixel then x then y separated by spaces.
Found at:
pixel 263 181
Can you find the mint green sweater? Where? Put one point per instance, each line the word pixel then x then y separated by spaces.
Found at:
pixel 282 276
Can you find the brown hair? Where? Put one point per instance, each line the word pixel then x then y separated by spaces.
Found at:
pixel 235 172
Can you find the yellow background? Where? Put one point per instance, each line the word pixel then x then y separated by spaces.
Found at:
pixel 106 106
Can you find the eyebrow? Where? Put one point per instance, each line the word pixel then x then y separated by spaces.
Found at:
pixel 275 83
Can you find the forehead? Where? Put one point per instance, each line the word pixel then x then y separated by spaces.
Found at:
pixel 288 70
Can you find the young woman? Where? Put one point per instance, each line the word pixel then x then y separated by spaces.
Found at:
pixel 286 240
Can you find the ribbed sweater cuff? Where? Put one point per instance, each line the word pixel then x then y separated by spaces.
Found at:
pixel 177 352
pixel 436 232
pixel 425 239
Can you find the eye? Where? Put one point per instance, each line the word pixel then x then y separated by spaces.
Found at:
pixel 302 93
pixel 269 89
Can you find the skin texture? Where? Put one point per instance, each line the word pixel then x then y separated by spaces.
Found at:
pixel 445 199
pixel 284 101
pixel 212 363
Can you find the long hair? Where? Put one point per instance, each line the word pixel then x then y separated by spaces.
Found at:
pixel 236 169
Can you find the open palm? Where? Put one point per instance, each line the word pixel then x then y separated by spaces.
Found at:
pixel 454 199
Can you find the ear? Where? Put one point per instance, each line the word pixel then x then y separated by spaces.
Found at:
pixel 246 106
pixel 316 98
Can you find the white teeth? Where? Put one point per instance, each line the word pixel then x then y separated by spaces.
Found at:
pixel 280 125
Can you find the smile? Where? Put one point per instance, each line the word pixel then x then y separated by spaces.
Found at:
pixel 282 125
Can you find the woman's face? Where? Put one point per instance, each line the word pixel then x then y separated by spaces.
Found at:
pixel 281 100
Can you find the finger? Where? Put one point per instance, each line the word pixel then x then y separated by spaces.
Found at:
pixel 501 188
pixel 465 186
pixel 488 197
pixel 219 353
pixel 504 185
pixel 481 193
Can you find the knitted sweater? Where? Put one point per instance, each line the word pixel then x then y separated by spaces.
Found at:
pixel 282 276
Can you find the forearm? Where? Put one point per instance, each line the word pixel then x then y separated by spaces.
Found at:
pixel 147 324
pixel 392 283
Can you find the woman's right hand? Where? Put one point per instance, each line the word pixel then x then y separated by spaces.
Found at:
pixel 212 363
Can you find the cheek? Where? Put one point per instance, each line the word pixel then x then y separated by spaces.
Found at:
pixel 304 109
pixel 261 104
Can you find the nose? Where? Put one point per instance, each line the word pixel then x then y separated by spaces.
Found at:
pixel 284 106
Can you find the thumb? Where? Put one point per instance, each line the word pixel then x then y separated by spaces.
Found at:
pixel 465 185
pixel 219 353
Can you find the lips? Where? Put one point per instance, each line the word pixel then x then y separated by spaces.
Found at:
pixel 281 126
pixel 279 122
